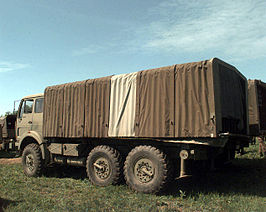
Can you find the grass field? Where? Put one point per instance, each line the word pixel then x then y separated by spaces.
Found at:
pixel 240 187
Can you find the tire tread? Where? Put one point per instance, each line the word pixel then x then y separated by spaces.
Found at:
pixel 37 150
pixel 114 154
pixel 167 170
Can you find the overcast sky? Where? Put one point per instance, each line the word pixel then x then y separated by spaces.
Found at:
pixel 51 42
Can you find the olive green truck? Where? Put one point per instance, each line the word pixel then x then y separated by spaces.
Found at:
pixel 144 126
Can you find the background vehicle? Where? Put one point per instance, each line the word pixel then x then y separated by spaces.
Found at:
pixel 257 107
pixel 145 125
pixel 7 132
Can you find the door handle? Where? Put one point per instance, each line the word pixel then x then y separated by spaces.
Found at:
pixel 30 122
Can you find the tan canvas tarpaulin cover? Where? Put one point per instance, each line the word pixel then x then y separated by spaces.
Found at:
pixel 155 103
pixel 97 102
pixel 53 111
pixel 194 95
pixel 200 99
pixel 77 109
pixel 182 98
pixel 257 107
pixel 123 105
pixel 73 109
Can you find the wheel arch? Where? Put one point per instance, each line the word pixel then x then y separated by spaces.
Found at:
pixel 33 137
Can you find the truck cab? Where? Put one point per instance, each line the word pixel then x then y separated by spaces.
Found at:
pixel 29 123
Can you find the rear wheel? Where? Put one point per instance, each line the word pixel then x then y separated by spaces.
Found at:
pixel 32 160
pixel 104 166
pixel 147 169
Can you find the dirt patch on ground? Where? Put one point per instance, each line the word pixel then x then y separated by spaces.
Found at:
pixel 10 160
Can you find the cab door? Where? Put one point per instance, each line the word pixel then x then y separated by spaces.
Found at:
pixel 24 120
pixel 37 117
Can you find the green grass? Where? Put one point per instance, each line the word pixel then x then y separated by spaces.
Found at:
pixel 240 187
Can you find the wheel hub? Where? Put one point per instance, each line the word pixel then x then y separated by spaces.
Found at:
pixel 102 168
pixel 144 170
pixel 30 162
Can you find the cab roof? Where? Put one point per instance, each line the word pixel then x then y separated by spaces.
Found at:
pixel 33 96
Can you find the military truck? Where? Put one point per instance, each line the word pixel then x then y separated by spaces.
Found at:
pixel 143 126
pixel 7 132
pixel 257 107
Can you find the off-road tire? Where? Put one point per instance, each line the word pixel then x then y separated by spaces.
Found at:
pixel 111 161
pixel 32 160
pixel 156 179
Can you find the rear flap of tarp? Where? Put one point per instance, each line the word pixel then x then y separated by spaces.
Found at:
pixel 123 105
pixel 230 99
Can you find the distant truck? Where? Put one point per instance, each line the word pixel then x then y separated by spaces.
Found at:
pixel 7 132
pixel 141 125
pixel 257 107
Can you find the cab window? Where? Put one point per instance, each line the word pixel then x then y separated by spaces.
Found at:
pixel 26 107
pixel 38 105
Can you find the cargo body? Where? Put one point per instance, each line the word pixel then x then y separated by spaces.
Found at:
pixel 140 126
pixel 257 107
pixel 194 100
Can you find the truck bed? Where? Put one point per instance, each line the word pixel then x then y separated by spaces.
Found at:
pixel 192 100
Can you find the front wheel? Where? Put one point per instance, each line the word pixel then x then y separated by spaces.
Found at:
pixel 147 169
pixel 32 160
